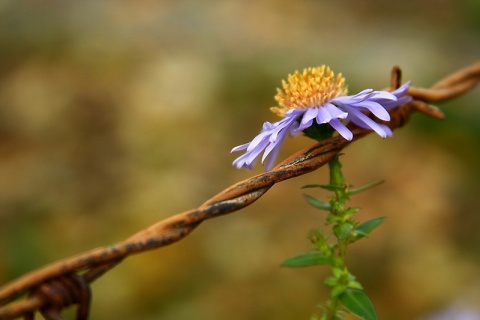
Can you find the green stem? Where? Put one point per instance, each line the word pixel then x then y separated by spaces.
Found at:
pixel 338 209
pixel 345 290
pixel 332 315
pixel 335 302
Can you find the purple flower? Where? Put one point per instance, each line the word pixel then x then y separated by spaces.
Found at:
pixel 317 95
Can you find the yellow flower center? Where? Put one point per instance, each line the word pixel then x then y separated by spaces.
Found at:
pixel 312 88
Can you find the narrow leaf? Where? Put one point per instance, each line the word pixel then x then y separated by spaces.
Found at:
pixel 331 281
pixel 367 227
pixel 337 290
pixel 312 186
pixel 350 212
pixel 331 187
pixel 365 187
pixel 358 303
pixel 306 260
pixel 317 203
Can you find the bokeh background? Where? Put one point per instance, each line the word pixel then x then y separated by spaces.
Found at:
pixel 116 114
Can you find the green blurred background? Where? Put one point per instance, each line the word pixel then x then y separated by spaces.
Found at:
pixel 116 114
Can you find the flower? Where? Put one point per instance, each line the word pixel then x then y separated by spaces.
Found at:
pixel 316 94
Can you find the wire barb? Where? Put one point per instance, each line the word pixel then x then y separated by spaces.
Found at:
pixel 58 285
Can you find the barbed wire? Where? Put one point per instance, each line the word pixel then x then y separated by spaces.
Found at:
pixel 51 288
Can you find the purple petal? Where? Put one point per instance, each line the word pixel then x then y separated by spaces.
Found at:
pixel 271 152
pixel 377 109
pixel 309 115
pixel 240 147
pixel 268 140
pixel 254 151
pixel 334 111
pixel 393 104
pixel 387 130
pixel 323 116
pixel 342 129
pixel 383 95
pixel 402 90
pixel 280 133
pixel 363 121
pixel 359 97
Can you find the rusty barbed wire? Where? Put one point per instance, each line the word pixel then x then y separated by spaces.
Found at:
pixel 53 287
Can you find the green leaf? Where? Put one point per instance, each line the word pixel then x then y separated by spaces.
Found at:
pixel 306 260
pixel 312 186
pixel 328 187
pixel 368 226
pixel 337 290
pixel 342 231
pixel 333 219
pixel 331 187
pixel 331 281
pixel 338 272
pixel 350 212
pixel 317 203
pixel 358 303
pixel 365 187
pixel 355 284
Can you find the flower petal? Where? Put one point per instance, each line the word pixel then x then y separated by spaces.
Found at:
pixel 376 108
pixel 352 99
pixel 400 92
pixel 280 133
pixel 310 114
pixel 268 140
pixel 342 129
pixel 240 147
pixel 334 111
pixel 383 95
pixel 323 116
pixel 387 130
pixel 271 152
pixel 363 121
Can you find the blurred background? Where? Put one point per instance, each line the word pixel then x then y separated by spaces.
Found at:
pixel 117 114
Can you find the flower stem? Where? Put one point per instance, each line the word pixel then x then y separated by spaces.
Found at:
pixel 330 248
pixel 342 226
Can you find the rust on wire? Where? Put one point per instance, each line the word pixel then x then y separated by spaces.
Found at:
pixel 66 282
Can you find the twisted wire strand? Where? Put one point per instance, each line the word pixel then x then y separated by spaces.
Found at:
pixel 97 262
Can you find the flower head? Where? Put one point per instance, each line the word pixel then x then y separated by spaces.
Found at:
pixel 317 95
pixel 313 87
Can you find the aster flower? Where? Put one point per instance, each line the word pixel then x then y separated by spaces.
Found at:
pixel 313 97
